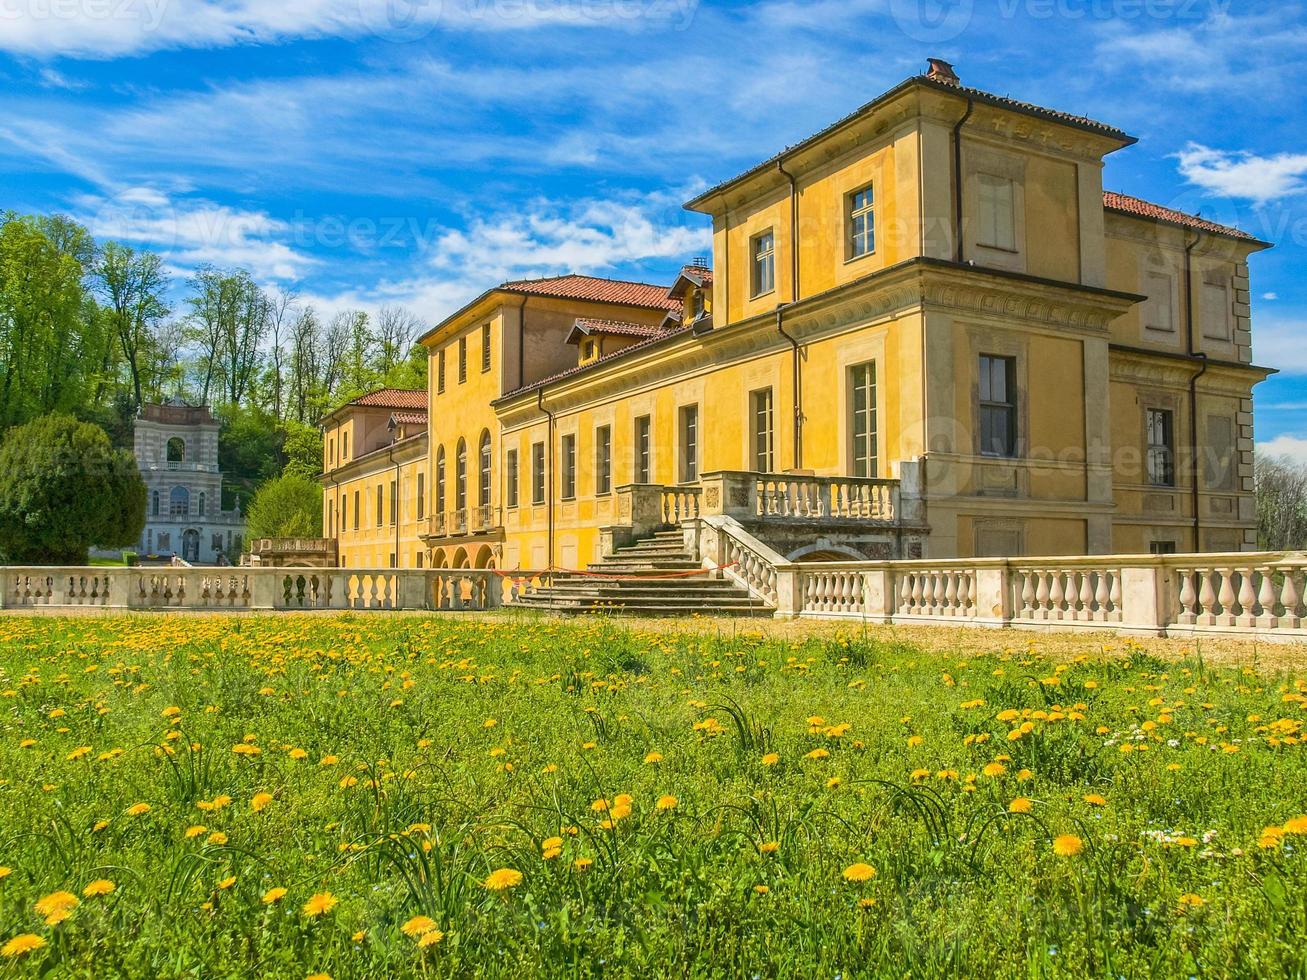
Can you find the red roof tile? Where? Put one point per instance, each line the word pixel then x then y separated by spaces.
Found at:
pixel 1139 208
pixel 409 418
pixel 393 398
pixel 617 328
pixel 597 290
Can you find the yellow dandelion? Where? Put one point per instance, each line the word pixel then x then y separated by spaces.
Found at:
pixel 226 883
pixel 273 895
pixel 994 770
pixel 196 830
pixel 1190 901
pixel 417 926
pixel 101 886
pixel 771 758
pixel 138 809
pixel 666 802
pixel 320 904
pixel 817 754
pixel 1020 805
pixel 20 945
pixel 761 889
pixel 859 872
pixel 769 847
pixel 1296 825
pixel 260 802
pixel 56 906
pixel 1093 799
pixel 502 879
pixel 217 838
pixel 653 758
pixel 583 863
pixel 430 938
pixel 1067 845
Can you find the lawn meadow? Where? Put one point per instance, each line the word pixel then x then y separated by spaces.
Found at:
pixel 364 796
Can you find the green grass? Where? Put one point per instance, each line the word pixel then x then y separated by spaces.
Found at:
pixel 407 759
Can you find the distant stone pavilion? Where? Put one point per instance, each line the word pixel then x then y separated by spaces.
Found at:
pixel 176 448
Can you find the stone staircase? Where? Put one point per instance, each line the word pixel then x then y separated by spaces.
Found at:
pixel 629 583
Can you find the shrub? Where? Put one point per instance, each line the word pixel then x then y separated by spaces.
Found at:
pixel 64 488
pixel 286 506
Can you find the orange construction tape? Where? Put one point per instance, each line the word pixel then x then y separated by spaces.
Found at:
pixel 613 576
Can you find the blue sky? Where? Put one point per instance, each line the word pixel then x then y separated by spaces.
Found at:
pixel 414 151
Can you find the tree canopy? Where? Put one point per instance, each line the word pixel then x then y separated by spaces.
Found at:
pixel 63 489
pixel 287 506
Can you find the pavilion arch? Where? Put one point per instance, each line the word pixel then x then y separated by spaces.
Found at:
pixel 485 557
pixel 825 552
pixel 175 450
pixel 460 559
pixel 439 559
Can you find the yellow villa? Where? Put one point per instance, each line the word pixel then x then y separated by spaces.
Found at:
pixel 926 331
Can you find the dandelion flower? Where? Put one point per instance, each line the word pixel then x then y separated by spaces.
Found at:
pixel 866 903
pixel 226 883
pixel 217 838
pixel 1296 825
pixel 27 942
pixel 318 976
pixel 1020 805
pixel 761 889
pixel 503 879
pixel 771 758
pixel 101 886
pixel 273 895
pixel 196 830
pixel 1067 845
pixel 430 938
pixel 817 754
pixel 320 904
pixel 260 801
pixel 56 906
pixel 417 926
pixel 666 802
pixel 583 863
pixel 859 872
pixel 653 758
pixel 138 809
pixel 1093 799
pixel 1190 901
pixel 5 872
pixel 993 770
pixel 769 847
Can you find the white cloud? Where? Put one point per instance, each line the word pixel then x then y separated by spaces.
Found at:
pixel 1242 174
pixel 188 232
pixel 1281 344
pixel 1270 296
pixel 1291 446
pixel 117 28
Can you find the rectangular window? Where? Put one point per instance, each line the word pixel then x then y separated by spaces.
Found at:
pixel 417 560
pixel 861 222
pixel 538 473
pixel 998 405
pixel 485 348
pixel 1215 312
pixel 344 511
pixel 344 446
pixel 462 359
pixel 762 251
pixel 761 429
pixel 331 452
pixel 862 408
pixel 643 450
pixel 568 452
pixel 394 502
pixel 1161 447
pixel 1157 310
pixel 1219 452
pixel 995 212
pixel 1161 548
pixel 357 510
pixel 380 503
pixel 603 460
pixel 422 496
pixel 689 419
pixel 440 370
pixel 510 476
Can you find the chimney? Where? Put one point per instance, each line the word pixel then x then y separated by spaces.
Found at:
pixel 942 71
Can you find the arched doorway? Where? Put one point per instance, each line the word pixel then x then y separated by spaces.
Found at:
pixel 460 559
pixel 190 545
pixel 176 449
pixel 485 557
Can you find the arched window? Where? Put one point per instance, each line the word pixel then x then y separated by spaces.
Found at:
pixel 483 487
pixel 460 476
pixel 201 510
pixel 154 504
pixel 440 482
pixel 179 502
pixel 176 449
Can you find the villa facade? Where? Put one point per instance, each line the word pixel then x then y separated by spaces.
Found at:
pixel 926 331
pixel 176 448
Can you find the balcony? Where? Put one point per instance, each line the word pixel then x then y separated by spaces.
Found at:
pixel 467 522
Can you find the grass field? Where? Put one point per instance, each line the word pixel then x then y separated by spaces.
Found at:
pixel 363 796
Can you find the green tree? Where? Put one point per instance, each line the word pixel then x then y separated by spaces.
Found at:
pixel 285 507
pixel 302 448
pixel 133 284
pixel 64 488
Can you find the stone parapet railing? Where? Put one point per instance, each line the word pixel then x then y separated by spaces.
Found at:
pixel 262 588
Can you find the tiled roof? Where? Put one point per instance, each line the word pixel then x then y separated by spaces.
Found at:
pixel 598 290
pixel 393 398
pixel 409 418
pixel 1002 101
pixel 617 328
pixel 1139 208
pixel 606 358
